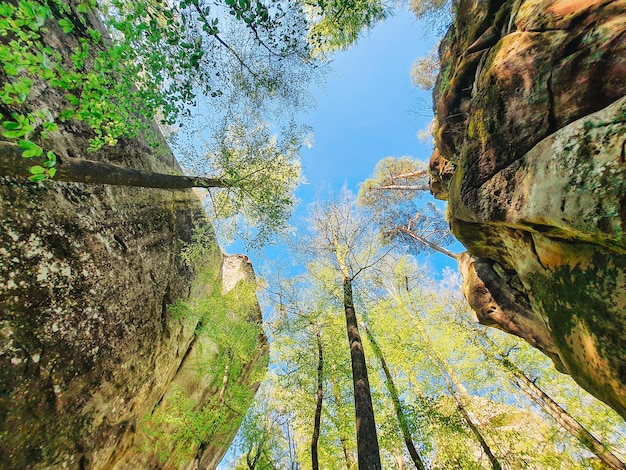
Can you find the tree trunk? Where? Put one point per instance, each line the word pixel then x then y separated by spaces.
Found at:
pixel 547 404
pixel 318 406
pixel 450 383
pixel 229 359
pixel 466 416
pixel 78 170
pixel 568 423
pixel 366 436
pixel 402 187
pixel 397 405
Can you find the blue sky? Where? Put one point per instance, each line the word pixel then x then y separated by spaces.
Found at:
pixel 368 109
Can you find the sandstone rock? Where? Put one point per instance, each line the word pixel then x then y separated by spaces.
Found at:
pixel 535 127
pixel 88 344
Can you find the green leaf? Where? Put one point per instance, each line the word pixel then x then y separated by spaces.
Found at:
pixel 31 149
pixel 12 69
pixel 37 170
pixel 52 172
pixel 37 178
pixel 11 125
pixel 50 126
pixel 95 35
pixel 66 114
pixel 14 134
pixel 72 99
pixel 32 153
pixel 66 24
pixel 6 10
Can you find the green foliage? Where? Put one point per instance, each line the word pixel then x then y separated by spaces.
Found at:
pixel 263 171
pixel 181 428
pixel 424 71
pixel 201 248
pixel 393 195
pixel 337 24
pixel 227 341
pixel 413 320
pixel 151 62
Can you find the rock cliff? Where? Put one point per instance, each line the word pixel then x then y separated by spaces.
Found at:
pixel 531 113
pixel 103 303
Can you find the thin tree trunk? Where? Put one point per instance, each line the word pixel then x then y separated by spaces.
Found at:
pixel 397 405
pixel 78 170
pixel 318 406
pixel 450 384
pixel 560 415
pixel 401 187
pixel 426 242
pixel 229 356
pixel 366 436
pixel 445 372
pixel 412 174
pixel 252 461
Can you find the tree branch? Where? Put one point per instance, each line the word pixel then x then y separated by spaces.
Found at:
pixel 428 243
pixel 402 187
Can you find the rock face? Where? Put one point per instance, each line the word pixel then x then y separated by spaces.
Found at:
pixel 89 346
pixel 531 114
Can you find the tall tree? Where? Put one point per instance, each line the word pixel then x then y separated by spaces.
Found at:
pixel 146 61
pixel 124 64
pixel 398 286
pixel 319 402
pixel 393 195
pixel 254 176
pixel 341 236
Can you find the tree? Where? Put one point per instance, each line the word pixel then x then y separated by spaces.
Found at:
pixel 299 308
pixel 392 195
pixel 401 292
pixel 255 177
pixel 340 235
pixel 424 71
pixel 397 405
pixel 319 403
pixel 400 298
pixel 145 60
pixel 124 64
pixel 336 24
pixel 494 353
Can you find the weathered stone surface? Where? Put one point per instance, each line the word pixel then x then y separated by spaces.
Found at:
pixel 532 115
pixel 198 387
pixel 88 346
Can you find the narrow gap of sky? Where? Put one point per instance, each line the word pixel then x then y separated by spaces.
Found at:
pixel 367 110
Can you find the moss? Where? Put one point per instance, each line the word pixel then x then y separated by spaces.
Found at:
pixel 575 301
pixel 217 380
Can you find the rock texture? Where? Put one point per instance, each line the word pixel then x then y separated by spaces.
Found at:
pixel 88 345
pixel 531 114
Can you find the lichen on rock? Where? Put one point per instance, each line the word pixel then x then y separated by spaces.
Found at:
pixel 89 344
pixel 531 114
